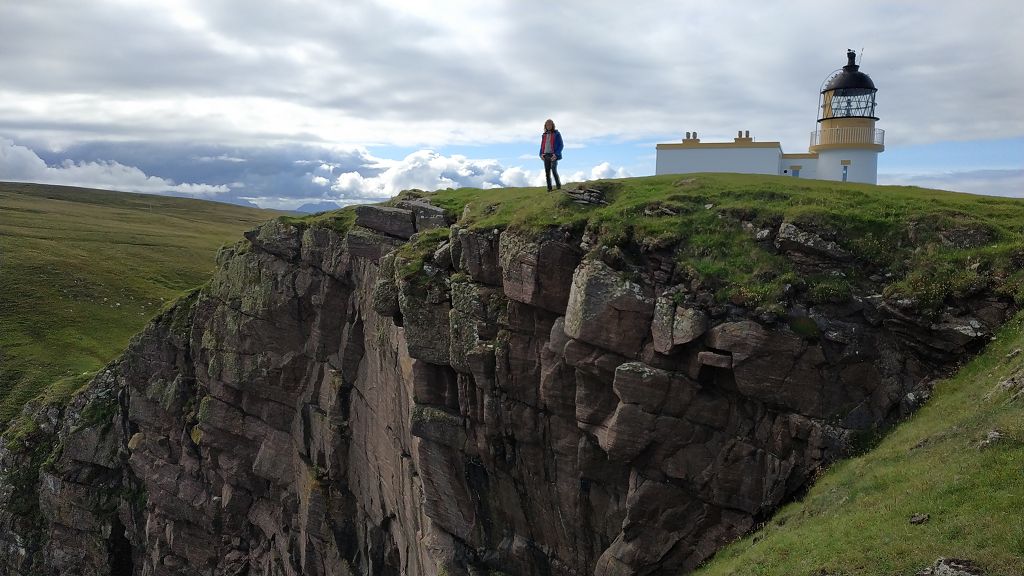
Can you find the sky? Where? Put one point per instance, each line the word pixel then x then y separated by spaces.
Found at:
pixel 306 102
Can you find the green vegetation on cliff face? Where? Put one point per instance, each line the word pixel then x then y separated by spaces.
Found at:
pixel 81 271
pixel 927 245
pixel 960 460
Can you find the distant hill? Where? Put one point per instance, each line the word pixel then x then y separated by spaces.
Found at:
pixel 83 270
pixel 314 207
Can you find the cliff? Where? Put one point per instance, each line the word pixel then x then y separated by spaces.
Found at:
pixel 387 391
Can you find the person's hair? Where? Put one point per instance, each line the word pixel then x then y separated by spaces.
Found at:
pixel 546 124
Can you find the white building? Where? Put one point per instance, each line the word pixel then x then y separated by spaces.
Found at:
pixel 845 146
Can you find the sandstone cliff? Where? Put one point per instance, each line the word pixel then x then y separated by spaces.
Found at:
pixel 406 396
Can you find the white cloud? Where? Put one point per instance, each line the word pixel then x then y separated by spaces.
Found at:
pixel 426 170
pixel 459 72
pixel 599 172
pixel 605 170
pixel 21 164
pixel 219 158
pixel 517 177
pixel 988 182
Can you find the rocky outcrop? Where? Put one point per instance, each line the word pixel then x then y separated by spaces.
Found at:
pixel 514 406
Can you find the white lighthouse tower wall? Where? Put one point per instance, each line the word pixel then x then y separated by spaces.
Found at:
pixel 861 165
pixel 682 159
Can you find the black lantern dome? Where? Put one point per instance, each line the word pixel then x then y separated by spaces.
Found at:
pixel 848 93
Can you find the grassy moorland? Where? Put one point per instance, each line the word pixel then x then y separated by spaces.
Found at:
pixel 81 271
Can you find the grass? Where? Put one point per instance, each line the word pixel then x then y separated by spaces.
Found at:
pixel 412 255
pixel 337 220
pixel 709 220
pixel 855 520
pixel 81 271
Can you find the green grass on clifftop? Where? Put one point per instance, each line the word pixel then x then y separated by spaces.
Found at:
pixel 81 271
pixel 928 244
pixel 855 520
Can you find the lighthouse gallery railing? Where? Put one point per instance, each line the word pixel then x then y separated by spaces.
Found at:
pixel 848 136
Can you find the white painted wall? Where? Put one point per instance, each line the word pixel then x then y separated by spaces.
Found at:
pixel 736 160
pixel 808 167
pixel 863 165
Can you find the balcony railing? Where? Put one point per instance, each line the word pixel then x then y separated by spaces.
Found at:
pixel 859 135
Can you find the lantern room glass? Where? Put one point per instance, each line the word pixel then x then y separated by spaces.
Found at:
pixel 848 103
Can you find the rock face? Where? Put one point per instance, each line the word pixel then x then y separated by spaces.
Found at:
pixel 515 408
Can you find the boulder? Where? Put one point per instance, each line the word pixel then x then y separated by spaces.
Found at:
pixel 391 221
pixel 479 256
pixel 425 318
pixel 676 325
pixel 443 256
pixel 385 291
pixel 473 319
pixel 365 243
pixel 705 358
pixel 537 272
pixel 426 216
pixel 776 366
pixel 793 239
pixel 607 310
pixel 638 383
pixel 952 567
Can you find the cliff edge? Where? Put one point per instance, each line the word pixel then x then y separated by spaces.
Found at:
pixel 391 390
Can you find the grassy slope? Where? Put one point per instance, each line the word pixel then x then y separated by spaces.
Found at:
pixel 81 271
pixel 855 519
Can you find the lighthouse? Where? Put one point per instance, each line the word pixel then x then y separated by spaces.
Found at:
pixel 844 147
pixel 846 141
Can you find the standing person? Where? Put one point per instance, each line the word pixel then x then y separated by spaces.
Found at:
pixel 551 152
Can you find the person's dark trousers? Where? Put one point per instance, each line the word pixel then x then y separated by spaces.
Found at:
pixel 551 167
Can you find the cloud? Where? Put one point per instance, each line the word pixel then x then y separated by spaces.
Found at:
pixel 417 75
pixel 426 170
pixel 599 172
pixel 220 158
pixel 605 170
pixel 429 170
pixel 987 182
pixel 21 164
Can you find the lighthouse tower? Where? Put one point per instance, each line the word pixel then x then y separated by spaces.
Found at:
pixel 846 141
